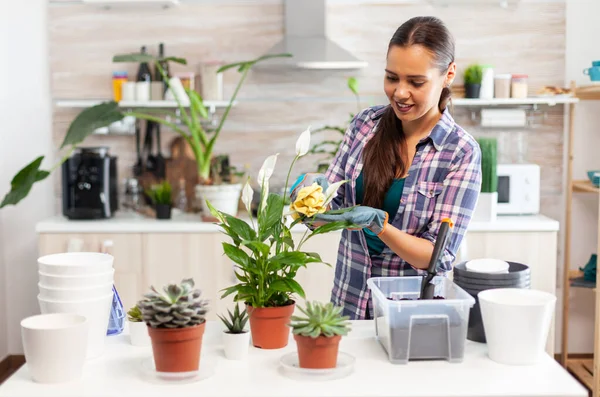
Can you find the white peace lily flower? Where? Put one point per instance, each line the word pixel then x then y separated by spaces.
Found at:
pixel 303 143
pixel 267 169
pixel 247 194
pixel 332 190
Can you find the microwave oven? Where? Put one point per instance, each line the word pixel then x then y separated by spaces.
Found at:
pixel 518 189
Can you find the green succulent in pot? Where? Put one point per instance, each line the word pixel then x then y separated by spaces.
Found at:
pixel 236 322
pixel 318 333
pixel 161 196
pixel 176 318
pixel 472 80
pixel 236 338
pixel 135 314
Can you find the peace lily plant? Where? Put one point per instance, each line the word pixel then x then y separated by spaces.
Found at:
pixel 191 112
pixel 265 254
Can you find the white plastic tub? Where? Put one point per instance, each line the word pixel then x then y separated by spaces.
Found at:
pixel 420 329
pixel 85 281
pixel 97 312
pixel 74 294
pixel 55 346
pixel 75 263
pixel 516 323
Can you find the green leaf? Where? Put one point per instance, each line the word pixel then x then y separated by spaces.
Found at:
pixel 134 58
pixel 230 290
pixel 292 258
pixel 91 119
pixel 259 248
pixel 332 226
pixel 230 66
pixel 248 64
pixel 273 215
pixel 240 227
pixel 288 285
pixel 197 103
pixel 215 212
pixel 353 85
pixel 236 255
pixel 23 181
pixel 181 61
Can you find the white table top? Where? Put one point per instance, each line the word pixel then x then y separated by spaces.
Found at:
pixel 131 222
pixel 119 373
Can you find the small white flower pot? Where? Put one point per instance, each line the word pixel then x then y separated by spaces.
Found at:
pixel 487 208
pixel 236 345
pixel 138 333
pixel 224 198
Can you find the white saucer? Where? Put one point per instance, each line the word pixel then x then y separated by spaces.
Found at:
pixel 291 368
pixel 487 265
pixel 205 371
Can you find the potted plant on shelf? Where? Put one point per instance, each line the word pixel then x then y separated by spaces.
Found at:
pixel 224 196
pixel 236 339
pixel 487 205
pixel 318 334
pixel 138 330
pixel 265 255
pixel 160 194
pixel 472 79
pixel 175 319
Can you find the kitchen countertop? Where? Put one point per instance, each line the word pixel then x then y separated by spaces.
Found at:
pixel 120 371
pixel 131 222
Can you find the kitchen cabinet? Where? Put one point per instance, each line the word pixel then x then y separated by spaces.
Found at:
pixel 149 252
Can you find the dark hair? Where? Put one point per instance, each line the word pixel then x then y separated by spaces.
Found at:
pixel 386 151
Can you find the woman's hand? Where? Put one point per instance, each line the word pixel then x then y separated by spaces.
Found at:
pixel 307 180
pixel 361 216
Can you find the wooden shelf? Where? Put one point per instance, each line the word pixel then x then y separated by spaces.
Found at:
pixel 588 92
pixel 85 103
pixel 543 100
pixel 585 186
pixel 583 370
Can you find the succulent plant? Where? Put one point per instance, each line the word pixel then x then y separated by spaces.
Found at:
pixel 236 322
pixel 135 314
pixel 177 306
pixel 320 320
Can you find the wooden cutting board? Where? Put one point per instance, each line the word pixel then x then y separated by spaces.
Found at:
pixel 182 165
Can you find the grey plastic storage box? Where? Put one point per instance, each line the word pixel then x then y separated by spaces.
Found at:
pixel 412 329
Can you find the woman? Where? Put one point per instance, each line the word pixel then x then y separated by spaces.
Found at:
pixel 409 165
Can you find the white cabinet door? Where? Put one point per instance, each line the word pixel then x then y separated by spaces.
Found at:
pixel 172 257
pixel 126 249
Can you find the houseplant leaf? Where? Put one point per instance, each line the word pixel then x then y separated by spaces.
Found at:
pixel 91 119
pixel 23 181
pixel 237 255
pixel 139 58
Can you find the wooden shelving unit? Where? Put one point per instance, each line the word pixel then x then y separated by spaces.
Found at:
pixel 586 370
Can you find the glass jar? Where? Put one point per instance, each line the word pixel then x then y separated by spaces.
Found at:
pixel 502 85
pixel 119 78
pixel 519 86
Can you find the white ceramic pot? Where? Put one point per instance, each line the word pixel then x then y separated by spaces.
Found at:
pixel 516 323
pixel 86 281
pixel 97 312
pixel 486 209
pixel 236 345
pixel 224 198
pixel 138 333
pixel 74 294
pixel 55 346
pixel 75 263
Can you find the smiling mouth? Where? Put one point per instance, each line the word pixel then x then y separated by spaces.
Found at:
pixel 403 107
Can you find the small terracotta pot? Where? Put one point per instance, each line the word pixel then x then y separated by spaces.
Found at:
pixel 320 352
pixel 178 349
pixel 269 326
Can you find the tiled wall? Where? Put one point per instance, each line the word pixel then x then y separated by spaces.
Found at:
pixel 275 107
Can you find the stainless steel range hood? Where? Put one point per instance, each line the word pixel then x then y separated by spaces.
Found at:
pixel 306 39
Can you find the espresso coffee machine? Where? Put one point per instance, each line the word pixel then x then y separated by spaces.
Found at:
pixel 90 184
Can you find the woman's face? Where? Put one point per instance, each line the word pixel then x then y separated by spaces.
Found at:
pixel 413 84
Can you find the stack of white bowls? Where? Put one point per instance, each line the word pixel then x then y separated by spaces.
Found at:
pixel 79 283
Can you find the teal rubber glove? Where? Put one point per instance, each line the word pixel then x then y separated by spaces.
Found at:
pixel 370 218
pixel 307 180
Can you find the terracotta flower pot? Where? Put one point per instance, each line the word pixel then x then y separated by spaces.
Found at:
pixel 177 349
pixel 269 326
pixel 320 352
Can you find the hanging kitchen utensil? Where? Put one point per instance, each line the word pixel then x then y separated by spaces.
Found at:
pixel 427 287
pixel 138 167
pixel 150 165
pixel 159 160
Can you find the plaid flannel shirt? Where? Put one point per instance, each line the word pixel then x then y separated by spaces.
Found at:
pixel 443 181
